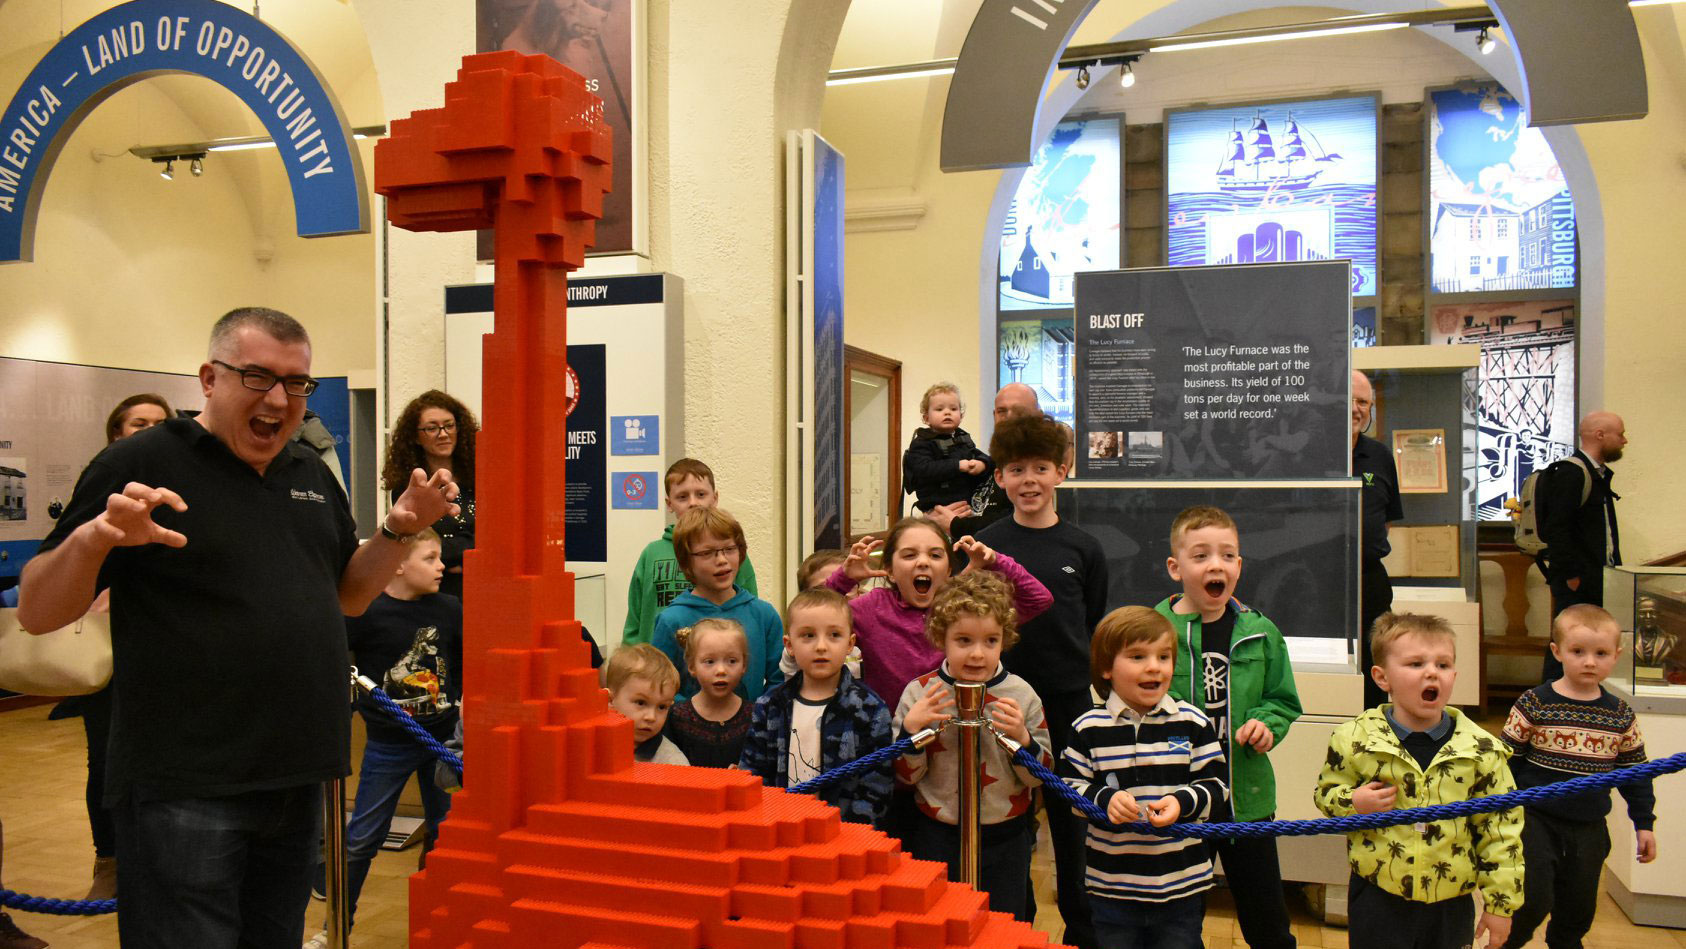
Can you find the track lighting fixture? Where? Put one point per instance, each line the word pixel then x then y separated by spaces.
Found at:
pixel 1484 41
pixel 198 167
pixel 1083 77
pixel 169 172
pixel 1126 76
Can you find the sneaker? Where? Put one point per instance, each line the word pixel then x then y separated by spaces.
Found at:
pixel 318 941
pixel 105 879
pixel 11 937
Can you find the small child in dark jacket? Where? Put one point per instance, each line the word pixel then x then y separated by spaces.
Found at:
pixel 942 464
pixel 822 717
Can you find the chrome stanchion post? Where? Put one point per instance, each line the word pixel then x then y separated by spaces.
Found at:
pixel 969 717
pixel 333 845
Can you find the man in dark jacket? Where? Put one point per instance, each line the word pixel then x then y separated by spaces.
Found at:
pixel 1577 515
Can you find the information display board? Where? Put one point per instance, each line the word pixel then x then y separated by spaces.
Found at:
pixel 1215 373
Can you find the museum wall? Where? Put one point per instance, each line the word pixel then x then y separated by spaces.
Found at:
pixel 130 270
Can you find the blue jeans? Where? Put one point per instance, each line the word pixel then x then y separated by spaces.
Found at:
pixel 386 768
pixel 217 873
pixel 1137 924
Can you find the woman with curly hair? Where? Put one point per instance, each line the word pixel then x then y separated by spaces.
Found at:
pixel 436 431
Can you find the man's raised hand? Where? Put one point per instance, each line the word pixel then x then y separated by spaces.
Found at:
pixel 424 501
pixel 127 520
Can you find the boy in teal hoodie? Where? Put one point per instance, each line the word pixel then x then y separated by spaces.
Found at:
pixel 1232 663
pixel 657 579
pixel 709 546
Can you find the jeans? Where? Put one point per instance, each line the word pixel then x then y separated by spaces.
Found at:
pixel 1255 880
pixel 1137 924
pixel 386 768
pixel 1003 863
pixel 216 873
pixel 1377 919
pixel 1563 860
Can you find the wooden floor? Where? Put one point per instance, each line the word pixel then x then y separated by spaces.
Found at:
pixel 49 853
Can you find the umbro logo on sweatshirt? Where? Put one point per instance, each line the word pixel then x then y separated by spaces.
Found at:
pixel 1068 568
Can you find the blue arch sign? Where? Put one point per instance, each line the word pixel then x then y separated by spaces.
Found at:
pixel 143 38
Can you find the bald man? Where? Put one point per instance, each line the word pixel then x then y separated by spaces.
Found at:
pixel 1577 514
pixel 1380 503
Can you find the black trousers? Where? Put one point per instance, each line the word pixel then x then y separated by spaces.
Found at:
pixel 1377 919
pixel 1255 881
pixel 1375 597
pixel 1563 858
pixel 1066 829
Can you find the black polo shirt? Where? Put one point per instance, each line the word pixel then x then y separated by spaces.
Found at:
pixel 1380 502
pixel 230 667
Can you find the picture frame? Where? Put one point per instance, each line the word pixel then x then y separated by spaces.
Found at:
pixel 1420 456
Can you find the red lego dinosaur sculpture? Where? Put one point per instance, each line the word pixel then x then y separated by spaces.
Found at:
pixel 559 838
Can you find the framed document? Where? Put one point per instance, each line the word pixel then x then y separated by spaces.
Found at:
pixel 1420 454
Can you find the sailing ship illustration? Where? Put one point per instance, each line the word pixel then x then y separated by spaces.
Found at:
pixel 1254 162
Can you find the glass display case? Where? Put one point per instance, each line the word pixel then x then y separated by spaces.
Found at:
pixel 1426 413
pixel 1649 604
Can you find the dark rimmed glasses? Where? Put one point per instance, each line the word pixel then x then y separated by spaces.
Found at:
pixel 262 380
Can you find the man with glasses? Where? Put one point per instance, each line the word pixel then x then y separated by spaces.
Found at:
pixel 232 558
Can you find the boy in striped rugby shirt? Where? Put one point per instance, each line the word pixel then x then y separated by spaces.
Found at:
pixel 1144 756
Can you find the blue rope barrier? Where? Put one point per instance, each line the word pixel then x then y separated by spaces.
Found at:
pixel 864 763
pixel 42 904
pixel 415 729
pixel 1341 825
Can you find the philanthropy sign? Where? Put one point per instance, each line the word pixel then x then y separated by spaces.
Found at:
pixel 144 38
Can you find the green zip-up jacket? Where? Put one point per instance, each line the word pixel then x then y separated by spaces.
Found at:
pixel 656 580
pixel 1261 686
pixel 1431 862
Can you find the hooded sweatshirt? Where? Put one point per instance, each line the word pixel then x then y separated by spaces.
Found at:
pixel 761 626
pixel 656 580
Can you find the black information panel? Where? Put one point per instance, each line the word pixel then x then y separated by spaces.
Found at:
pixel 1214 373
pixel 1298 552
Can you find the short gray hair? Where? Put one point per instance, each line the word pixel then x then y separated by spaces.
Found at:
pixel 272 322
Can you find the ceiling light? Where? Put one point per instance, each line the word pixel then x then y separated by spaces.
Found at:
pixel 169 172
pixel 232 144
pixel 1127 76
pixel 1083 77
pixel 1484 41
pixel 1296 35
pixel 1652 3
pixel 850 77
pixel 198 167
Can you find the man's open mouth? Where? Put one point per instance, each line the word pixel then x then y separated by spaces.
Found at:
pixel 264 426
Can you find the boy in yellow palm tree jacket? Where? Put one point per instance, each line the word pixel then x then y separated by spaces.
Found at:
pixel 1410 883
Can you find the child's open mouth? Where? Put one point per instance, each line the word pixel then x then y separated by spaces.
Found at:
pixel 921 584
pixel 1215 588
pixel 1431 693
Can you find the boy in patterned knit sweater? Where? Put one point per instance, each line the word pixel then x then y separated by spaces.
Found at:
pixel 1565 729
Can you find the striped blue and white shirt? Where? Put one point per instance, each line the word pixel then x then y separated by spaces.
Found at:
pixel 1171 750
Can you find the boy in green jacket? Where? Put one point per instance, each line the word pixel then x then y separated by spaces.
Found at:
pixel 1411 882
pixel 1232 664
pixel 657 579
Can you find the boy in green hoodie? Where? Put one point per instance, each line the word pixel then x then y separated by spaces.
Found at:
pixel 1232 664
pixel 657 579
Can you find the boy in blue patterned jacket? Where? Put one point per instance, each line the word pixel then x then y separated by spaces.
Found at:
pixel 823 717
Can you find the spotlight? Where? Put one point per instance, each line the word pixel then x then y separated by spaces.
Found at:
pixel 1083 77
pixel 1127 76
pixel 198 167
pixel 169 172
pixel 1484 41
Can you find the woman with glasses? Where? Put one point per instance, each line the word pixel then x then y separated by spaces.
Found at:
pixel 436 431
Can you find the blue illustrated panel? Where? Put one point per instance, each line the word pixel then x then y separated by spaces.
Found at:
pixel 635 490
pixel 1500 214
pixel 1274 183
pixel 634 434
pixel 1065 216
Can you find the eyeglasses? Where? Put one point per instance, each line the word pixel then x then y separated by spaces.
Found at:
pixel 434 431
pixel 715 553
pixel 262 380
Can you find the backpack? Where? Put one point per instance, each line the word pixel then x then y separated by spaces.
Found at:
pixel 1526 529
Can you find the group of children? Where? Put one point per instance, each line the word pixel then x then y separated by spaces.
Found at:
pixel 1193 695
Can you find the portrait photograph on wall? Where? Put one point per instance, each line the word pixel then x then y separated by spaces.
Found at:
pixel 1274 182
pixel 1500 216
pixel 1526 394
pixel 594 38
pixel 1065 216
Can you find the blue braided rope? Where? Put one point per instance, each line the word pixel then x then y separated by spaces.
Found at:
pixel 1341 825
pixel 864 763
pixel 416 731
pixel 42 904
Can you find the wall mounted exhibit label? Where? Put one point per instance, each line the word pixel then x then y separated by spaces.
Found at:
pixel 1214 373
pixel 635 434
pixel 134 41
pixel 586 512
pixel 636 491
pixel 1274 182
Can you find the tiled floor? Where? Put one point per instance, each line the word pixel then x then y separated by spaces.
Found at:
pixel 48 853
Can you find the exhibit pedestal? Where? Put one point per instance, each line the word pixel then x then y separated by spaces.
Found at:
pixel 1651 894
